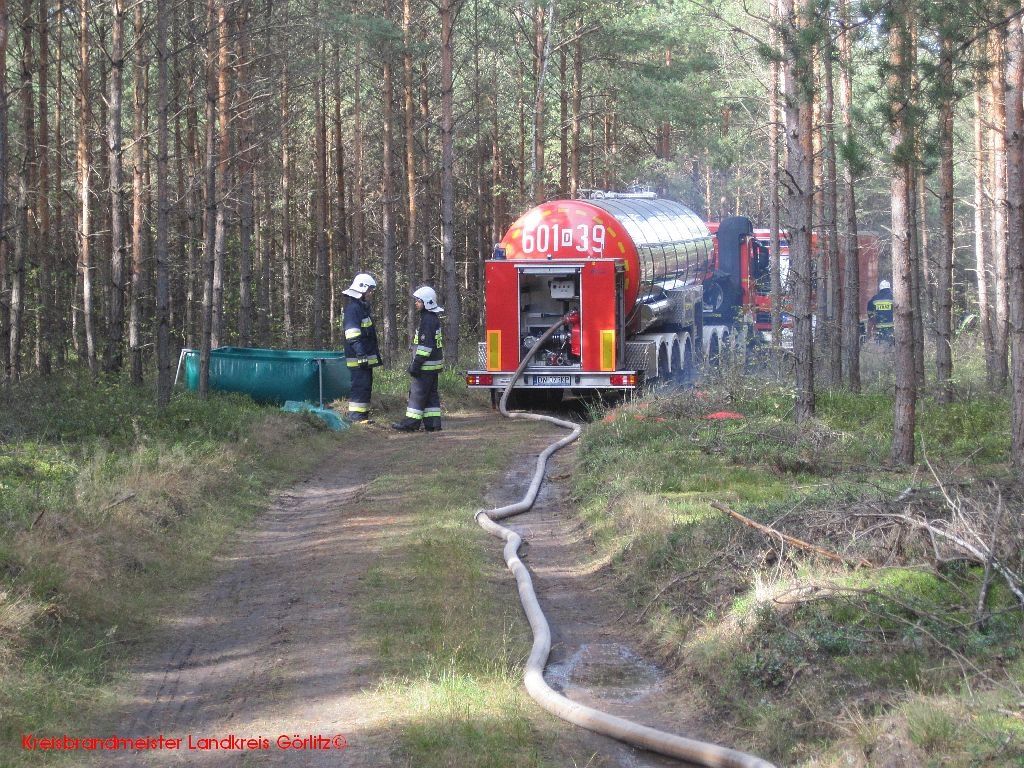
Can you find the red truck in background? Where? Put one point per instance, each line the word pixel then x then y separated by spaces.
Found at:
pixel 645 289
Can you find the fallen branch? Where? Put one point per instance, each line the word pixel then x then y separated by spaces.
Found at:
pixel 116 502
pixel 792 540
pixel 1012 579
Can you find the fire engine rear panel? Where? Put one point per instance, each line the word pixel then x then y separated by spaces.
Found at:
pixel 664 244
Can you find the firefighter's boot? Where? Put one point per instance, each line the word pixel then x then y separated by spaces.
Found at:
pixel 407 425
pixel 432 423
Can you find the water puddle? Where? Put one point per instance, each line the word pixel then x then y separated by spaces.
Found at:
pixel 608 671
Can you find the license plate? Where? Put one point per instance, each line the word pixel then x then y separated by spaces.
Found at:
pixel 553 381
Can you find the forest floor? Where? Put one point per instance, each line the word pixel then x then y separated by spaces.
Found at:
pixel 283 641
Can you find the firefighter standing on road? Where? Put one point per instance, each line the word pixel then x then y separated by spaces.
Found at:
pixel 361 351
pixel 424 406
pixel 880 323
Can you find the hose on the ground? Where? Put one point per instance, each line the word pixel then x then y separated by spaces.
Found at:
pixel 592 719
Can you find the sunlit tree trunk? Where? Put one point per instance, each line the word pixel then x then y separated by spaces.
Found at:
pixel 982 224
pixel 139 233
pixel 211 206
pixel 84 186
pixel 999 221
pixel 164 367
pixel 322 281
pixel 286 203
pixel 388 201
pixel 115 161
pixel 901 148
pixel 246 179
pixel 831 204
pixel 1015 242
pixel 851 252
pixel 358 236
pixel 23 241
pixel 220 246
pixel 774 121
pixel 408 120
pixel 448 10
pixel 46 338
pixel 944 264
pixel 800 192
pixel 5 308
pixel 577 112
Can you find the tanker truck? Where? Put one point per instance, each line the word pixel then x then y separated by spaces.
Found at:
pixel 636 282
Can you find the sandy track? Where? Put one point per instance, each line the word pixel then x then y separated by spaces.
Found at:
pixel 270 648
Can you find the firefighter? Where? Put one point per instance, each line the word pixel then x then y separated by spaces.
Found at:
pixel 361 352
pixel 424 407
pixel 880 324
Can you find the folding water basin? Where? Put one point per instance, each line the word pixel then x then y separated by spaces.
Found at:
pixel 272 375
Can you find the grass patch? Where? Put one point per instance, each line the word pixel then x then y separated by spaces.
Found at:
pixel 109 510
pixel 803 656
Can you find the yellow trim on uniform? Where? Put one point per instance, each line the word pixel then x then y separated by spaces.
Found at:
pixel 608 350
pixel 353 333
pixel 494 350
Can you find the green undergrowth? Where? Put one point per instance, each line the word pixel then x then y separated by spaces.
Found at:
pixel 808 661
pixel 109 510
pixel 441 615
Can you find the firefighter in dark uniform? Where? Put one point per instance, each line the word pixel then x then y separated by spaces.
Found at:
pixel 361 351
pixel 880 323
pixel 424 407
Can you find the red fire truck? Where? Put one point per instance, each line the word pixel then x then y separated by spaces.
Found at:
pixel 638 281
pixel 644 287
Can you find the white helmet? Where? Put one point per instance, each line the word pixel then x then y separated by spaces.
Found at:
pixel 884 285
pixel 361 283
pixel 428 296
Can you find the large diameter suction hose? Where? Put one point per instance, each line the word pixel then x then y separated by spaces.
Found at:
pixel 592 719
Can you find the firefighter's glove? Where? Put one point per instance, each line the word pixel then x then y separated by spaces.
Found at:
pixel 415 370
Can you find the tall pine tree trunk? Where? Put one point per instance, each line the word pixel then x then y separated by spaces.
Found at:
pixel 84 179
pixel 220 246
pixel 163 210
pixel 47 307
pixel 211 202
pixel 944 265
pixel 388 202
pixel 982 225
pixel 246 180
pixel 5 308
pixel 800 193
pixel 851 252
pixel 448 10
pixel 1015 241
pixel 115 161
pixel 774 120
pixel 24 240
pixel 139 233
pixel 321 280
pixel 901 148
pixel 831 203
pixel 999 214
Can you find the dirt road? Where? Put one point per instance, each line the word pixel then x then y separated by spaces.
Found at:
pixel 271 649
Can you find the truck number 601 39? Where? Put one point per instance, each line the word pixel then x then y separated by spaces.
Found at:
pixel 551 238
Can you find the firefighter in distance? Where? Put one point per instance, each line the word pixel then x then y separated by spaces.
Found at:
pixel 880 322
pixel 362 354
pixel 424 407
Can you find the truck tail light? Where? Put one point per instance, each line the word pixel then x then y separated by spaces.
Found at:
pixel 622 380
pixel 479 380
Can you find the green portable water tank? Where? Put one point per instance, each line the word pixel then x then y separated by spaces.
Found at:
pixel 273 376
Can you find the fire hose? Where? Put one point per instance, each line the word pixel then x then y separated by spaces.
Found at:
pixel 662 742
